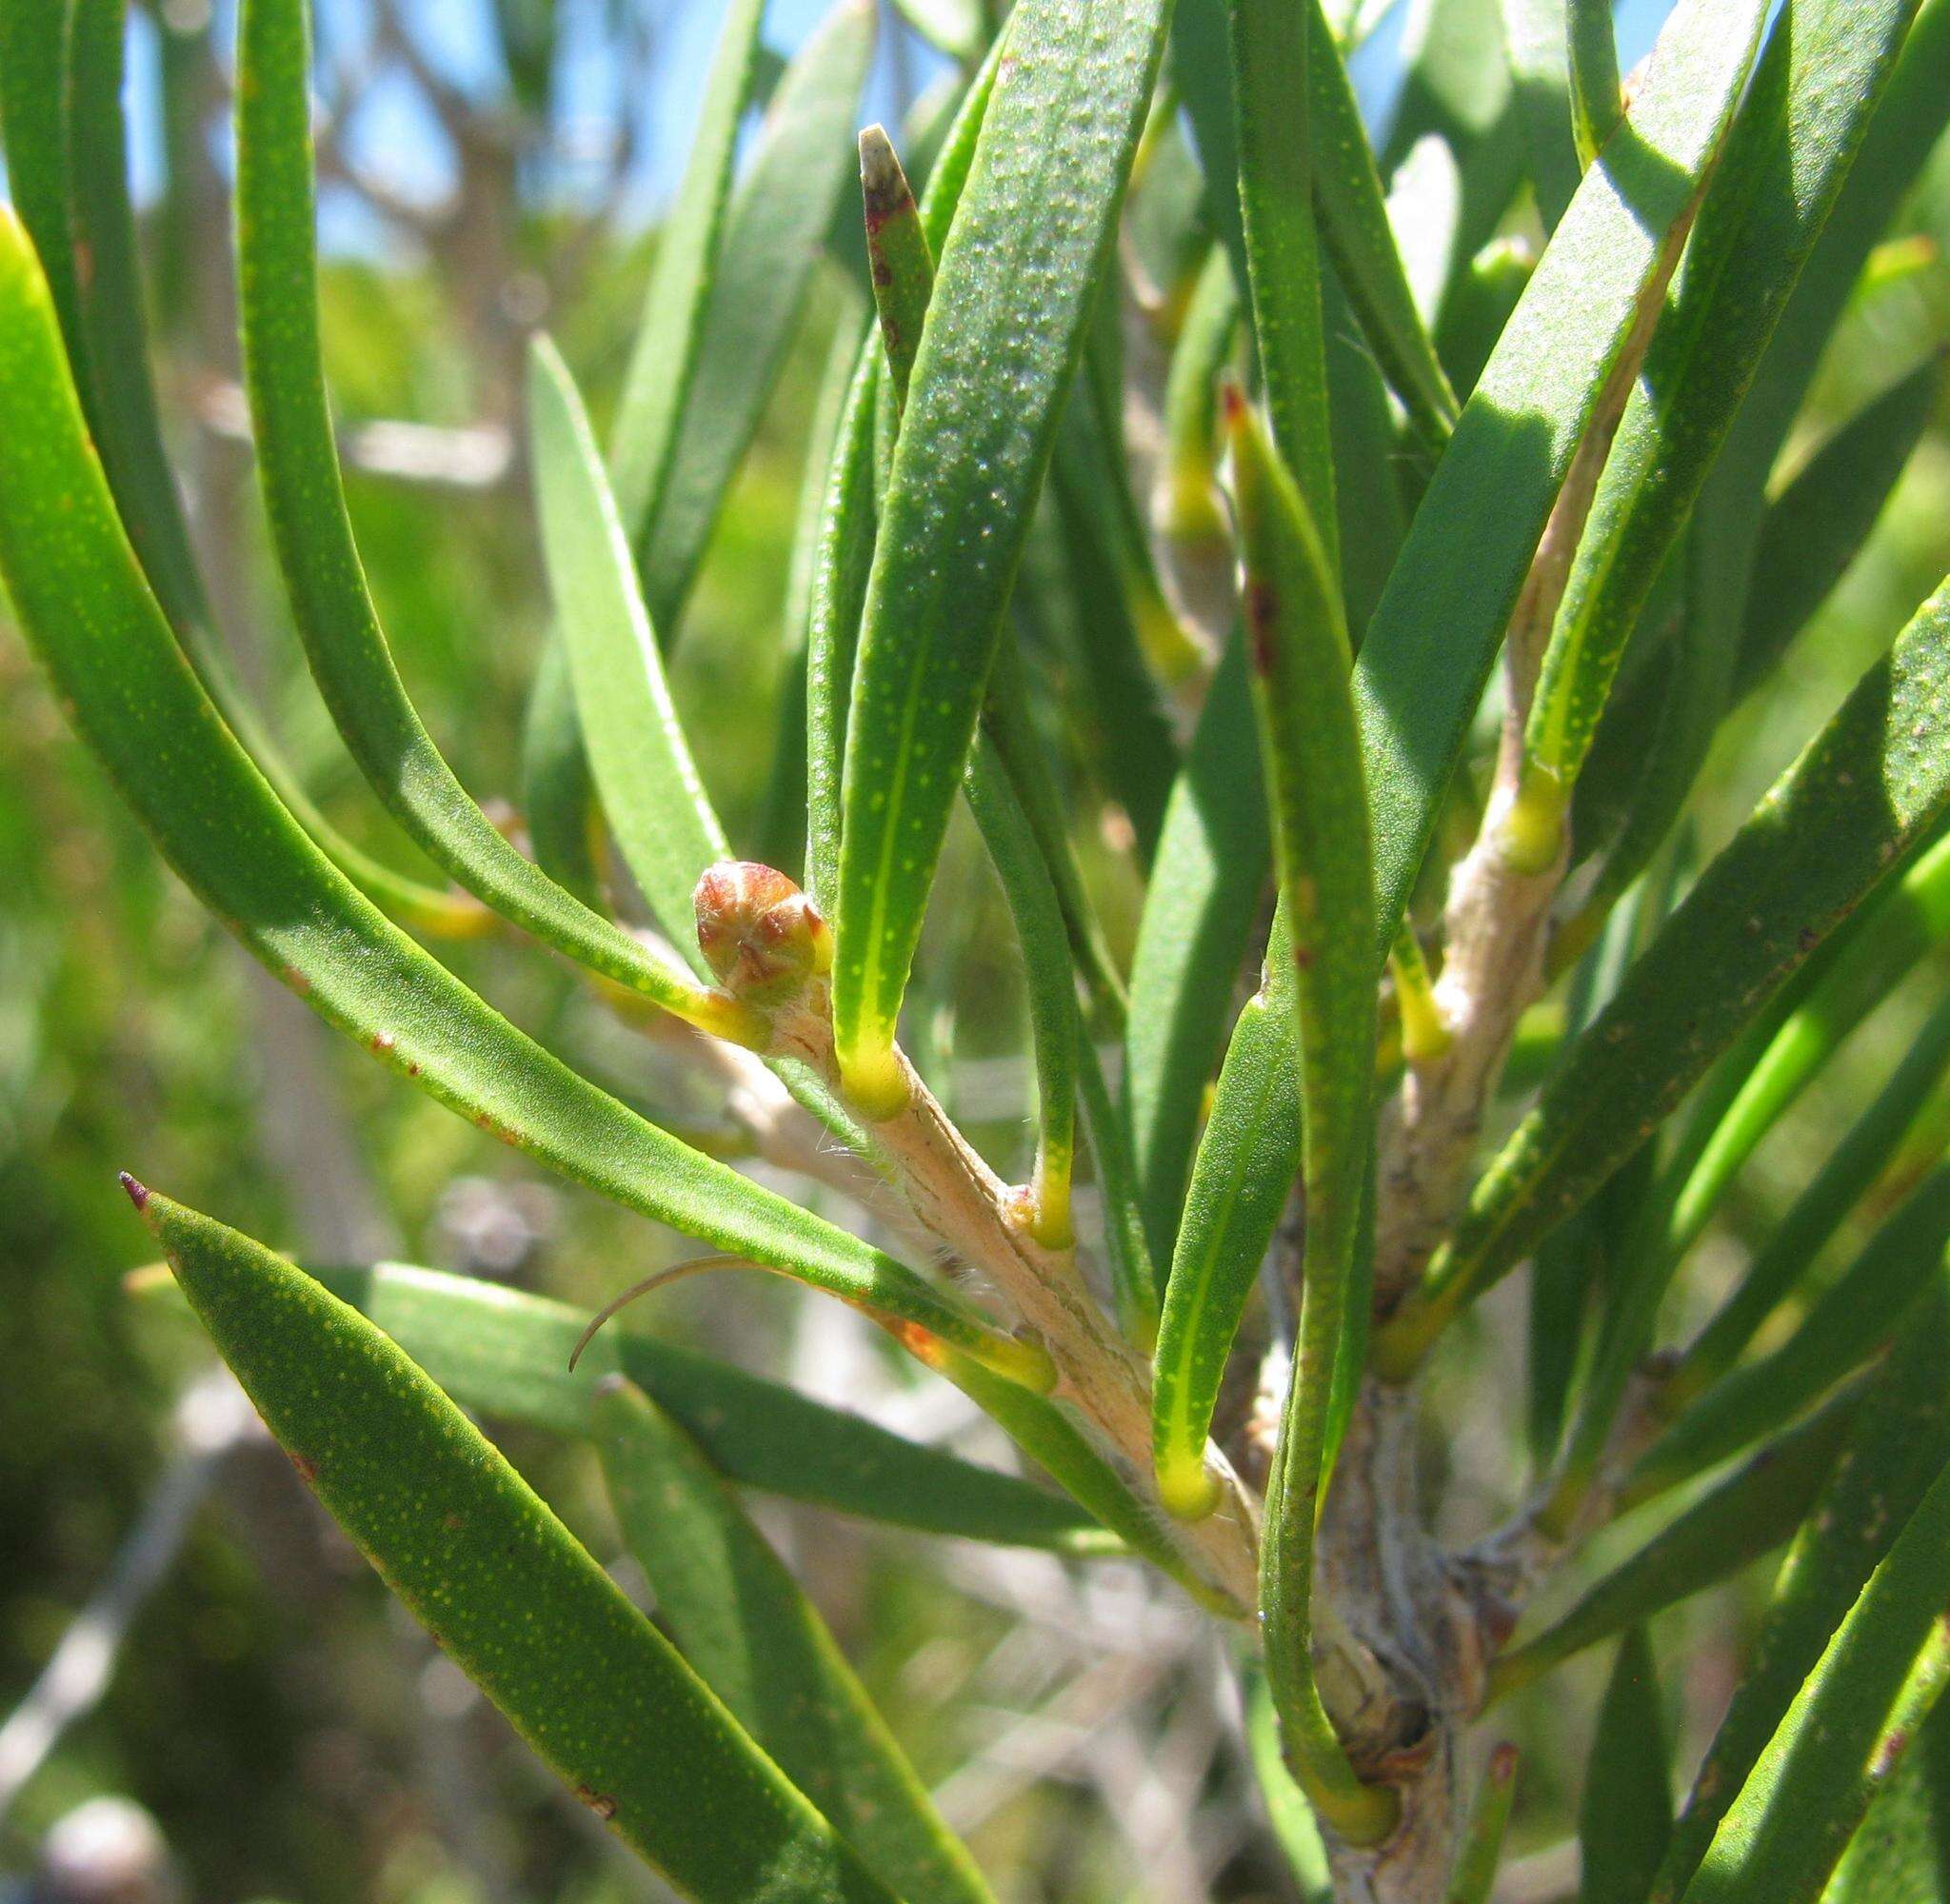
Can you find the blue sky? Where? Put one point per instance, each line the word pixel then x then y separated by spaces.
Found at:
pixel 397 137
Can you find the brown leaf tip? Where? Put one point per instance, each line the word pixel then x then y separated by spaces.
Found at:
pixel 1503 1763
pixel 1232 403
pixel 138 1192
pixel 883 188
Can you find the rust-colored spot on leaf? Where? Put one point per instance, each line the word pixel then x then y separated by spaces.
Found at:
pixel 599 1802
pixel 308 1468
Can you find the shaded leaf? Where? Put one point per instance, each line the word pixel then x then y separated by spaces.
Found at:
pixel 741 1622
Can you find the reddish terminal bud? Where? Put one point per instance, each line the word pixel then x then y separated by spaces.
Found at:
pixel 759 933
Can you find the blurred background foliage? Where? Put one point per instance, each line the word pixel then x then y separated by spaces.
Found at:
pixel 284 1727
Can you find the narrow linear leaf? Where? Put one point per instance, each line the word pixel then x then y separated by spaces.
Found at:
pixel 1900 1849
pixel 1798 1239
pixel 34 119
pixel 1892 931
pixel 1847 1730
pixel 1869 785
pixel 781 827
pixel 1242 1177
pixel 1596 104
pixel 83 604
pixel 76 204
pixel 1009 312
pixel 844 553
pixel 505 1354
pixel 1456 83
pixel 1053 1028
pixel 1428 649
pixel 298 463
pixel 1481 1848
pixel 745 1627
pixel 1896 1451
pixel 773 237
pixel 1298 646
pixel 1752 1512
pixel 1850 1323
pixel 903 265
pixel 1347 195
pixel 511 1597
pixel 1270 67
pixel 1287 1810
pixel 649 784
pixel 1815 89
pixel 1206 880
pixel 669 337
pixel 1815 527
pixel 1625 1815
pixel 1537 35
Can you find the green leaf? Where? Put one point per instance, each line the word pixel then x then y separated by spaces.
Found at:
pixel 1009 312
pixel 841 564
pixel 774 234
pixel 1053 1028
pixel 1817 525
pixel 33 118
pixel 82 602
pixel 1625 1815
pixel 1895 1450
pixel 74 202
pixel 1537 33
pixel 649 786
pixel 1813 91
pixel 1287 1810
pixel 1596 104
pixel 1428 649
pixel 959 28
pixel 1242 1178
pixel 1348 199
pixel 1481 1848
pixel 903 265
pixel 1892 932
pixel 1869 785
pixel 1800 1235
pixel 1122 668
pixel 1298 647
pixel 1847 1729
pixel 1750 1512
pixel 670 337
pixel 844 554
pixel 1205 889
pixel 277 269
pixel 1903 1848
pixel 1850 1323
pixel 1354 222
pixel 1270 65
pixel 741 1622
pixel 505 1354
pixel 513 1599
pixel 557 792
pixel 1456 83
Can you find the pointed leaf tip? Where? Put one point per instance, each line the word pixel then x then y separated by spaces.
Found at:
pixel 138 1191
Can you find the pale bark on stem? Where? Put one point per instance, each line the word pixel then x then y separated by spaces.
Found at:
pixel 961 1202
pixel 1497 920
